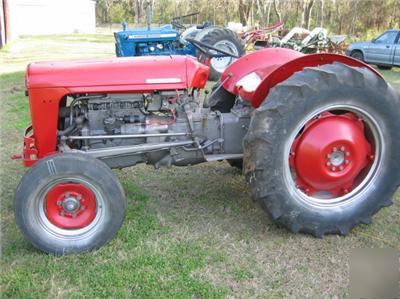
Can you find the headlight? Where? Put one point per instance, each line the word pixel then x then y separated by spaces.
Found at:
pixel 249 82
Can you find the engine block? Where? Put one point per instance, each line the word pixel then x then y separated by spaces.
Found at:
pixel 161 128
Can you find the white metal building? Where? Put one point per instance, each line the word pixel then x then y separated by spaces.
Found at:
pixel 36 17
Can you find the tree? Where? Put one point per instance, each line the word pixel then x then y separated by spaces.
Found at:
pixel 307 13
pixel 103 10
pixel 321 14
pixel 354 17
pixel 244 10
pixel 138 11
pixel 276 9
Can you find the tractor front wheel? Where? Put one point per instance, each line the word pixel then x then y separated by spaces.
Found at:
pixel 322 151
pixel 69 203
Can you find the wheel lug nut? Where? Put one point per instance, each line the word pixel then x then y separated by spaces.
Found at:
pixel 328 163
pixel 333 168
pixel 347 154
pixel 62 213
pixel 342 148
pixel 66 195
pixel 328 156
pixel 341 167
pixel 74 215
pixel 79 197
pixel 59 203
pixel 347 161
pixel 335 149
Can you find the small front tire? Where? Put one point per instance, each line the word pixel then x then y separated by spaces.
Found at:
pixel 69 203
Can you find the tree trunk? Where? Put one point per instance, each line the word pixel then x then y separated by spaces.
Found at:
pixel 276 9
pixel 354 18
pixel 242 15
pixel 261 13
pixel 138 11
pixel 303 13
pixel 321 13
pixel 269 12
pixel 244 10
pixel 227 14
pixel 338 18
pixel 308 13
pixel 393 17
pixel 398 18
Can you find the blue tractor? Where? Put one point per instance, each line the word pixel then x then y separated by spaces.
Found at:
pixel 175 39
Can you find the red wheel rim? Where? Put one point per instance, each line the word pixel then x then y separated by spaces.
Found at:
pixel 70 205
pixel 331 154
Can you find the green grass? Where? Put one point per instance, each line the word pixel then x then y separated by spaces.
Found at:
pixel 190 232
pixel 392 76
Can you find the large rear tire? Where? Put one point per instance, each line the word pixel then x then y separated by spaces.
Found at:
pixel 322 151
pixel 223 39
pixel 69 203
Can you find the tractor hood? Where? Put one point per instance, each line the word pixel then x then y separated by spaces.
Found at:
pixel 137 74
pixel 166 32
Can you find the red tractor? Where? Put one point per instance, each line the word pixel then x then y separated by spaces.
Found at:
pixel 317 136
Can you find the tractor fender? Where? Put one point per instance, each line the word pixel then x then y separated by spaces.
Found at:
pixel 272 66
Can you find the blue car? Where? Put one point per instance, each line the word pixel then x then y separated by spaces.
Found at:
pixel 383 51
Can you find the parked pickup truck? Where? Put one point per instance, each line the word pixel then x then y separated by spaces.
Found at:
pixel 384 51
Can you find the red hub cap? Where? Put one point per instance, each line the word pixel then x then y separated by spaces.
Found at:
pixel 330 153
pixel 70 205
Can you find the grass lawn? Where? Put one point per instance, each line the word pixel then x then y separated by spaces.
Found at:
pixel 189 232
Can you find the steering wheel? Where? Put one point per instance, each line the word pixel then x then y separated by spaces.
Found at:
pixel 176 24
pixel 205 49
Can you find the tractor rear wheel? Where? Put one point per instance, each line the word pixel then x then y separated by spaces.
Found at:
pixel 324 158
pixel 223 39
pixel 69 203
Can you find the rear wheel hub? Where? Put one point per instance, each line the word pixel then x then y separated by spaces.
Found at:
pixel 330 153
